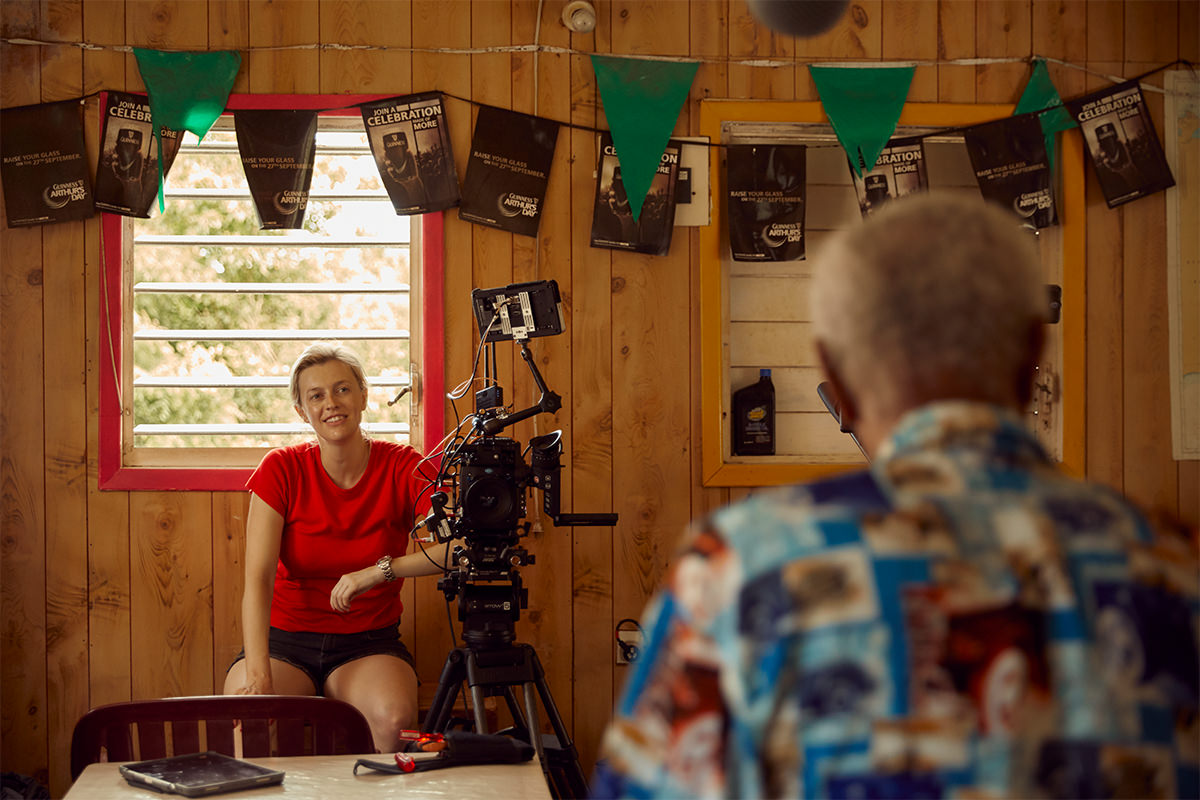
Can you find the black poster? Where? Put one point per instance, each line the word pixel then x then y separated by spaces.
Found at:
pixel 127 173
pixel 1122 143
pixel 277 149
pixel 508 170
pixel 411 142
pixel 899 170
pixel 613 225
pixel 1009 159
pixel 42 164
pixel 766 201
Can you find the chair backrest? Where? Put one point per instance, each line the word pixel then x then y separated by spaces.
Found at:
pixel 270 725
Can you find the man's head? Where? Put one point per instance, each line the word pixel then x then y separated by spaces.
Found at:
pixel 934 297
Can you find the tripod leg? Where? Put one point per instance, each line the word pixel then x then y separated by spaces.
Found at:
pixel 519 727
pixel 565 757
pixel 535 732
pixel 438 716
pixel 477 703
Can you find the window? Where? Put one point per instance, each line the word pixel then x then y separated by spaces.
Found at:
pixel 755 314
pixel 203 313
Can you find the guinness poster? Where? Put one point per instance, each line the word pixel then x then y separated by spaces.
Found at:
pixel 277 149
pixel 42 164
pixel 766 201
pixel 127 173
pixel 508 170
pixel 1009 159
pixel 613 225
pixel 411 143
pixel 1122 143
pixel 899 170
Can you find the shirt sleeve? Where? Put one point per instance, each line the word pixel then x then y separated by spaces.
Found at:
pixel 668 734
pixel 270 481
pixel 421 481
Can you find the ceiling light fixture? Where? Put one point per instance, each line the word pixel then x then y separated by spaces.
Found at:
pixel 579 16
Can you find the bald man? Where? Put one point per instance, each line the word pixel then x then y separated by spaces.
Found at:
pixel 960 620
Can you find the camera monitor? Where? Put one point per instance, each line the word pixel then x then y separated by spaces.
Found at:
pixel 518 311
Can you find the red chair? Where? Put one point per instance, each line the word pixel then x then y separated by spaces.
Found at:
pixel 271 725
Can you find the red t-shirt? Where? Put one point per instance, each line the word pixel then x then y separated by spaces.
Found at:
pixel 329 531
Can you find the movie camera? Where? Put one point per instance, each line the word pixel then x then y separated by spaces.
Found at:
pixel 485 478
pixel 482 486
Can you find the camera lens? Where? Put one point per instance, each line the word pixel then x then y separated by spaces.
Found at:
pixel 490 502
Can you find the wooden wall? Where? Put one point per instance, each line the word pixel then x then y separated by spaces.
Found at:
pixel 109 595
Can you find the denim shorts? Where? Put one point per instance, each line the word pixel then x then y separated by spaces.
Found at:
pixel 318 654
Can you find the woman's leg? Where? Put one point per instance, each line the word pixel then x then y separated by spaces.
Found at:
pixel 288 678
pixel 384 689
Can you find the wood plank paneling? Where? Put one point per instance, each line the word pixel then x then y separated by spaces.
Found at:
pixel 712 80
pixel 276 24
pixel 650 372
pixel 65 429
pixel 229 29
pixel 441 25
pixel 547 625
pixel 1105 30
pixel 1151 477
pixel 108 612
pixel 162 580
pixel 229 578
pixel 749 40
pixel 171 582
pixel 1151 32
pixel 366 22
pixel 956 40
pixel 910 31
pixel 591 446
pixel 23 692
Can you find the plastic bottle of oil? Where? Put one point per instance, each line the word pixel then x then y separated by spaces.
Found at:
pixel 754 418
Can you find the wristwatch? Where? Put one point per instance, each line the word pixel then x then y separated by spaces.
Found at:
pixel 385 566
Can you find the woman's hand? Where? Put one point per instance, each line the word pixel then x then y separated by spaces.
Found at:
pixel 257 684
pixel 351 585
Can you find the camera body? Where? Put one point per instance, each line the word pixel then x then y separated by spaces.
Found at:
pixel 491 488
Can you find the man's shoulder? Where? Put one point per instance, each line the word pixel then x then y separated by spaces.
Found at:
pixel 802 518
pixel 850 493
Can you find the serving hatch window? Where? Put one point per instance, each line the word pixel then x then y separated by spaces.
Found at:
pixel 212 311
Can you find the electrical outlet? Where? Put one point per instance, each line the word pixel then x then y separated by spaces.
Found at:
pixel 631 639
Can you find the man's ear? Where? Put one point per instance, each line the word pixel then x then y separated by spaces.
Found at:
pixel 846 403
pixel 300 413
pixel 1035 340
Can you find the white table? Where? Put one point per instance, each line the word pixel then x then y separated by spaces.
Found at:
pixel 332 777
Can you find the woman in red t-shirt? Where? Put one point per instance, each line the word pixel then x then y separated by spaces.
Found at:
pixel 326 536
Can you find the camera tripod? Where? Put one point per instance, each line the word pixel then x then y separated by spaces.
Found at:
pixel 492 665
pixel 499 671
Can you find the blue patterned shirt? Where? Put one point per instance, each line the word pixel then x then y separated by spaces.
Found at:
pixel 962 621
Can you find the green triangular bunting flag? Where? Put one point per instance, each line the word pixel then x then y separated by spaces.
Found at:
pixel 188 91
pixel 863 105
pixel 642 100
pixel 1039 95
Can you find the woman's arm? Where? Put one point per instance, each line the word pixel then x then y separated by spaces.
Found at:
pixel 264 532
pixel 352 584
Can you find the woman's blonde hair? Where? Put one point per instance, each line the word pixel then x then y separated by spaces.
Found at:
pixel 319 353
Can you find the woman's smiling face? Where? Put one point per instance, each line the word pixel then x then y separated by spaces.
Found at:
pixel 332 402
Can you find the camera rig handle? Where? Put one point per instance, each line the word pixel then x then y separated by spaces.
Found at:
pixel 549 401
pixel 547 452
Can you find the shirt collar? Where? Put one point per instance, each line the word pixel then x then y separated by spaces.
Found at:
pixel 962 424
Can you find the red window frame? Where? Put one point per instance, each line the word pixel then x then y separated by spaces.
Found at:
pixel 114 475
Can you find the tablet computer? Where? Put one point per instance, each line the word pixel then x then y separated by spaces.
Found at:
pixel 199 774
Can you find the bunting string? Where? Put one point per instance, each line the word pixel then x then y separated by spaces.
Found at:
pixel 535 48
pixel 592 129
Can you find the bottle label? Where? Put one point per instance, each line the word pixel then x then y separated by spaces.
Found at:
pixel 757 431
